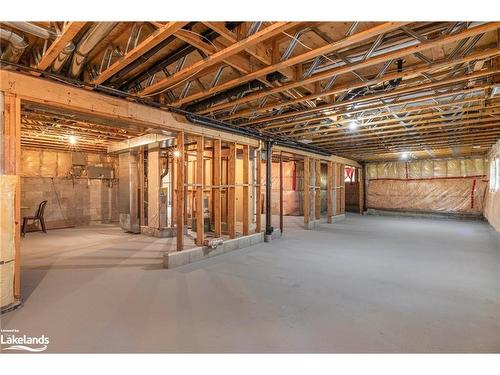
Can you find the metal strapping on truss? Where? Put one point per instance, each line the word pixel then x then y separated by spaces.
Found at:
pixel 254 27
pixel 185 89
pixel 293 43
pixel 317 62
pixel 217 76
pixel 133 39
pixel 180 64
pixel 352 28
pixel 330 83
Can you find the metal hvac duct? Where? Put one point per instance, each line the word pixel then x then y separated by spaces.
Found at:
pixel 63 57
pixel 45 34
pixel 96 33
pixel 16 46
pixel 29 28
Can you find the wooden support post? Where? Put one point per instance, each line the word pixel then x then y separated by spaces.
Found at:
pixel 329 192
pixel 141 186
pixel 342 189
pixel 258 191
pixel 246 190
pixel 231 191
pixel 317 192
pixel 179 193
pixel 306 191
pixel 153 186
pixel 217 181
pixel 361 189
pixel 281 192
pixel 200 147
pixel 11 165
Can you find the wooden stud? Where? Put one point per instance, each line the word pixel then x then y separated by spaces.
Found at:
pixel 306 191
pixel 329 191
pixel 317 192
pixel 12 166
pixel 141 186
pixel 258 191
pixel 231 191
pixel 281 192
pixel 179 193
pixel 217 181
pixel 246 190
pixel 361 188
pixel 200 147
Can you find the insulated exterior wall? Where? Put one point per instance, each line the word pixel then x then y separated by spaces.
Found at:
pixel 442 185
pixel 492 204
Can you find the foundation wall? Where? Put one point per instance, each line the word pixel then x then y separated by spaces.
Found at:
pixel 73 198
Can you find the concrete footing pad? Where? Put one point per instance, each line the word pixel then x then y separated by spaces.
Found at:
pixel 181 258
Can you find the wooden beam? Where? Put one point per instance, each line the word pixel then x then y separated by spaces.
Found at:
pixel 258 191
pixel 179 192
pixel 218 57
pixel 361 190
pixel 200 143
pixel 231 191
pixel 306 187
pixel 153 186
pixel 67 35
pixel 150 42
pixel 217 180
pixel 222 30
pixel 129 114
pixel 246 190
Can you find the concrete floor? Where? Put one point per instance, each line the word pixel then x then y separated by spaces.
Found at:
pixel 368 284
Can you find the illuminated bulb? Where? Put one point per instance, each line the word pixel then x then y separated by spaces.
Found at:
pixel 72 139
pixel 353 125
pixel 404 155
pixel 176 153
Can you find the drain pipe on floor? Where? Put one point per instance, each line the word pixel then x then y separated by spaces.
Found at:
pixel 269 154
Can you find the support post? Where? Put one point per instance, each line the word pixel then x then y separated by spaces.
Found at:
pixel 258 192
pixel 246 190
pixel 141 186
pixel 361 189
pixel 217 180
pixel 153 186
pixel 179 198
pixel 10 164
pixel 281 192
pixel 269 155
pixel 200 143
pixel 329 192
pixel 231 191
pixel 306 191
pixel 317 190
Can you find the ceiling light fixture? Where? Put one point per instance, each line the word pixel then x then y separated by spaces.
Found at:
pixel 404 155
pixel 353 125
pixel 72 139
pixel 176 153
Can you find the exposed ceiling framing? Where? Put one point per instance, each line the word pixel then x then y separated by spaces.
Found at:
pixel 362 90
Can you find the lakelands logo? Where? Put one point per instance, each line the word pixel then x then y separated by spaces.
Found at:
pixel 11 340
